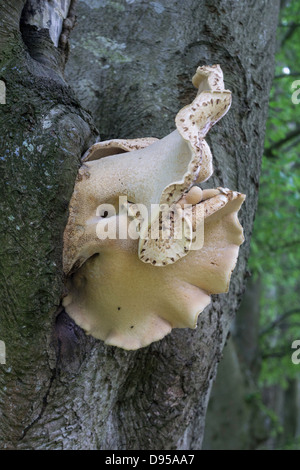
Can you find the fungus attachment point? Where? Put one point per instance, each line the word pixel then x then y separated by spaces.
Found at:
pixel 147 279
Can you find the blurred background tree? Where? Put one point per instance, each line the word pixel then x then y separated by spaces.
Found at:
pixel 256 398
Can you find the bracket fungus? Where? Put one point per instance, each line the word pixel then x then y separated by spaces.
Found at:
pixel 127 282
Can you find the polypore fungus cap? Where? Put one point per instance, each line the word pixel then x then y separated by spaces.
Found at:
pixel 131 291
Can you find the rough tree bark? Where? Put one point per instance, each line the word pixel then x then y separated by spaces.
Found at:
pixel 130 63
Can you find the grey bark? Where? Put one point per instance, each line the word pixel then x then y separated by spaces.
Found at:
pixel 130 64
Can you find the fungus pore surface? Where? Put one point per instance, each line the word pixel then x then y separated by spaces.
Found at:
pixel 144 247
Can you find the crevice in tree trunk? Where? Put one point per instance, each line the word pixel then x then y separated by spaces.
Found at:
pixel 44 405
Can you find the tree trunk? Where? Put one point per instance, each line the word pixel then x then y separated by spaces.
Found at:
pixel 131 64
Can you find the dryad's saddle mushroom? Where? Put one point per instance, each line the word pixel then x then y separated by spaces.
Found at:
pixel 144 247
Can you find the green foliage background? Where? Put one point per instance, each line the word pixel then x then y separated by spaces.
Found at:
pixel 275 253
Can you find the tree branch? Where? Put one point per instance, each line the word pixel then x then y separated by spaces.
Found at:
pixel 290 136
pixel 287 75
pixel 292 28
pixel 282 25
pixel 275 354
pixel 278 320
